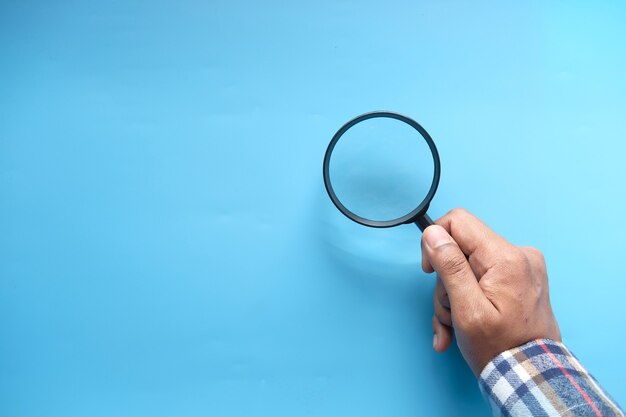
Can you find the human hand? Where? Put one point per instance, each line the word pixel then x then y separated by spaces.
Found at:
pixel 492 294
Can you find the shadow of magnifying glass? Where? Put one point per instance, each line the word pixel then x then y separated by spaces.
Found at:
pixel 380 180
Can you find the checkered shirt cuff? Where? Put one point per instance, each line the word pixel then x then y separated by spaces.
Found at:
pixel 543 378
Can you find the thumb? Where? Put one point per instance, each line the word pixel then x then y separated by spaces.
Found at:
pixel 452 267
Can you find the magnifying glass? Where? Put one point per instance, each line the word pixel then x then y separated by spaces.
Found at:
pixel 381 169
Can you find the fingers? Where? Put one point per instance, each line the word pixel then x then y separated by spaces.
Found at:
pixel 441 294
pixel 444 315
pixel 426 266
pixel 442 337
pixel 442 320
pixel 477 241
pixel 456 275
pixel 441 304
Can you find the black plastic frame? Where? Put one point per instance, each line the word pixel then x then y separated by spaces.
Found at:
pixel 417 216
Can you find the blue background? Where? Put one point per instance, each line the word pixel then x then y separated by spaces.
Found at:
pixel 166 244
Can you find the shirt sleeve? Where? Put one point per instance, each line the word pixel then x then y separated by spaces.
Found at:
pixel 543 378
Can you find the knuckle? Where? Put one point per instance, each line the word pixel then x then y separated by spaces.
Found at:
pixel 457 212
pixel 435 321
pixel 538 258
pixel 443 315
pixel 443 299
pixel 516 259
pixel 515 266
pixel 536 252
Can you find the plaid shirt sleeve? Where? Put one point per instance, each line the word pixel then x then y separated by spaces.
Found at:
pixel 542 378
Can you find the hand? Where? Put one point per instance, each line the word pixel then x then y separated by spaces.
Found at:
pixel 492 294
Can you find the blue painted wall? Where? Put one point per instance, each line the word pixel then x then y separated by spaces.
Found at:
pixel 166 244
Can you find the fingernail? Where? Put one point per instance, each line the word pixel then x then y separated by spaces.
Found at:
pixel 436 236
pixel 435 341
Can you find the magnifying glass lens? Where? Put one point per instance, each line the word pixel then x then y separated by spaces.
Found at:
pixel 381 169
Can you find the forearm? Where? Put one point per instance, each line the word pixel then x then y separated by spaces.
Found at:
pixel 542 378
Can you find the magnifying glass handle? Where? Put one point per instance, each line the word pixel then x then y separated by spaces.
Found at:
pixel 424 221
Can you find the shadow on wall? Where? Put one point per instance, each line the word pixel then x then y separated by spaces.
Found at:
pixel 385 266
